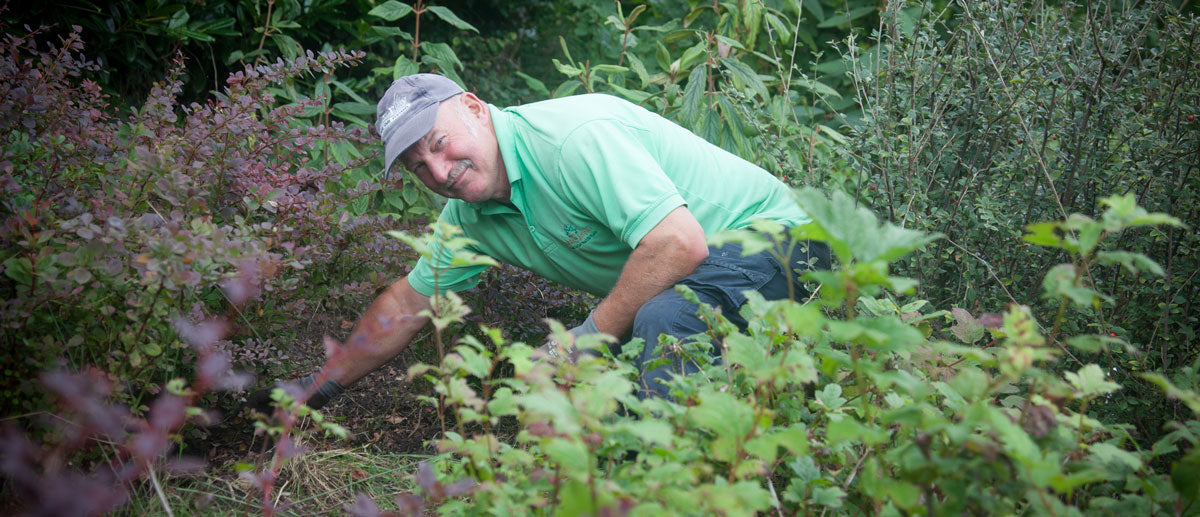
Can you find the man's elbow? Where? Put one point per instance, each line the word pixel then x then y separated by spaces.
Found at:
pixel 693 250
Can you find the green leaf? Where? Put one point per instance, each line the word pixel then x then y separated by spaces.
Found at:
pixel 1090 381
pixel 1109 455
pixel 403 66
pixel 1061 281
pixel 609 69
pixel 534 83
pixel 830 496
pixel 444 57
pixel 20 269
pixel 817 87
pixel 1049 235
pixel 841 19
pixel 650 431
pixel 831 396
pixel 1185 475
pixel 693 95
pixel 1132 261
pixel 637 96
pixel 850 429
pixel 570 454
pixel 1123 212
pixel 448 16
pixel 639 68
pixel 576 499
pixel 503 403
pixel 1064 484
pixel 816 8
pixel 552 406
pixel 723 414
pixel 355 108
pixel 662 56
pixel 785 31
pixel 968 330
pixel 565 69
pixel 566 88
pixel 854 232
pixel 744 351
pixel 747 76
pixel 1189 396
pixel 391 10
pixel 1093 342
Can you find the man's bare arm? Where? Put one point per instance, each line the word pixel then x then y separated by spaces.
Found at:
pixel 384 331
pixel 671 251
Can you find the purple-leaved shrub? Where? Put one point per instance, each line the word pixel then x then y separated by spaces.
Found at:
pixel 113 225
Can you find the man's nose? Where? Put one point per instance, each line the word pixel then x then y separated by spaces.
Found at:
pixel 439 169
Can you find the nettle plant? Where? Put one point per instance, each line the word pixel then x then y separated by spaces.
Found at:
pixel 847 402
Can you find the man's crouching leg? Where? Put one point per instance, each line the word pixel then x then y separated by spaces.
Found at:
pixel 719 281
pixel 667 313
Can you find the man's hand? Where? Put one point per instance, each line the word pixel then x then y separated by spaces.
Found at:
pixel 261 400
pixel 568 351
pixel 387 327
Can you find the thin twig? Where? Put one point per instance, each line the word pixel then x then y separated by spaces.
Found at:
pixel 774 497
pixel 158 490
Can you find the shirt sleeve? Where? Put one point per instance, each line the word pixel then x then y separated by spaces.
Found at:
pixel 436 271
pixel 607 173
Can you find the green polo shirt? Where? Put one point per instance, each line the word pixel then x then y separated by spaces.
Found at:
pixel 591 175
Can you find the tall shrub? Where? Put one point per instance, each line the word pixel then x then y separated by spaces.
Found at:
pixel 985 117
pixel 113 227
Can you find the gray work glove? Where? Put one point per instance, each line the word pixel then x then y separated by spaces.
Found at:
pixel 568 351
pixel 261 400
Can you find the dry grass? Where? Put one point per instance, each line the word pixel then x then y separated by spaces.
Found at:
pixel 319 482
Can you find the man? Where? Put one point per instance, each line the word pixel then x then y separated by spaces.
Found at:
pixel 590 191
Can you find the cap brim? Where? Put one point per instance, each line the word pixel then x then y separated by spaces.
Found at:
pixel 418 126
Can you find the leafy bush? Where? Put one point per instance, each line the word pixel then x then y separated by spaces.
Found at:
pixel 114 227
pixel 982 119
pixel 120 235
pixel 867 412
pixel 751 77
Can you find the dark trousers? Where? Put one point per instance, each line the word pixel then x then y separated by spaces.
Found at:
pixel 719 281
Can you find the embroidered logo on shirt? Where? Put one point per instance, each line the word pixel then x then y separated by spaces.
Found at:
pixel 576 237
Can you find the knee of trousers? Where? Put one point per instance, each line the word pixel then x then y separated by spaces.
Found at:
pixel 657 316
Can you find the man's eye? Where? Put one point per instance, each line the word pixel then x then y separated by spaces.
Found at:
pixel 439 143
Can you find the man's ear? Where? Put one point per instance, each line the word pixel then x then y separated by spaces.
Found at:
pixel 476 107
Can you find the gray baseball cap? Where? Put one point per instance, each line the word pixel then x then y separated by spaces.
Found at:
pixel 408 110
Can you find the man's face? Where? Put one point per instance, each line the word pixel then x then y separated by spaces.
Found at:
pixel 459 158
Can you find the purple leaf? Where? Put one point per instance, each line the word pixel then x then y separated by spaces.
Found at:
pixel 185 466
pixel 460 487
pixel 410 504
pixel 363 506
pixel 426 478
pixel 288 448
pixel 167 413
pixel 203 334
pixel 149 445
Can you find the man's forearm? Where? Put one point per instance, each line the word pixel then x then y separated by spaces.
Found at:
pixel 671 251
pixel 385 330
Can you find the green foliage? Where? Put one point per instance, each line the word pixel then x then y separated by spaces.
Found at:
pixel 816 407
pixel 732 73
pixel 984 118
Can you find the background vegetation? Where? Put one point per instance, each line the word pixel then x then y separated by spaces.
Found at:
pixel 191 188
